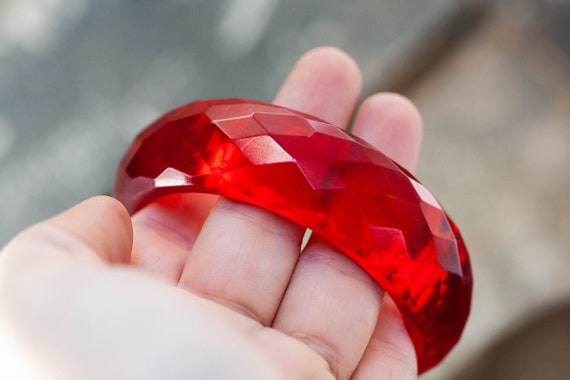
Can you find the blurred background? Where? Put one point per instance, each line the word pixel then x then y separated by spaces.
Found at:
pixel 79 78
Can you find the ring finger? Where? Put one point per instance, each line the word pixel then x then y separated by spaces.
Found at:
pixel 331 303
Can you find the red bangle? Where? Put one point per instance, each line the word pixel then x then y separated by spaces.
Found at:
pixel 325 179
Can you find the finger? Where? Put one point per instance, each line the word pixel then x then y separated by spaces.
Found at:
pixel 165 231
pixel 393 124
pixel 325 83
pixel 244 255
pixel 98 230
pixel 390 350
pixel 331 303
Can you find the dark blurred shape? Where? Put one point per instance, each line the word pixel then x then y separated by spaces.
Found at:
pixel 439 40
pixel 555 22
pixel 538 350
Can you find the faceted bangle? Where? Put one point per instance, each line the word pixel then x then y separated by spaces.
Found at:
pixel 325 179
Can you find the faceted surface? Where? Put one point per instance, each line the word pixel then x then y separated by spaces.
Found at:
pixel 325 179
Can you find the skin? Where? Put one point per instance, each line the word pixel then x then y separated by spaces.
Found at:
pixel 194 286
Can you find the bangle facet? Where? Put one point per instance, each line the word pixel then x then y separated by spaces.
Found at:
pixel 325 179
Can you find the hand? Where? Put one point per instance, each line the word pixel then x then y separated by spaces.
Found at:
pixel 199 287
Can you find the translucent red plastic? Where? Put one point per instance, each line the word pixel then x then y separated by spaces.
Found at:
pixel 325 179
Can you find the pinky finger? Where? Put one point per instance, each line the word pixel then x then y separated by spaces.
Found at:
pixel 390 351
pixel 393 124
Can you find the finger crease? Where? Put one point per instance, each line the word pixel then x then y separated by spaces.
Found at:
pixel 394 353
pixel 267 221
pixel 342 265
pixel 175 234
pixel 236 306
pixel 322 348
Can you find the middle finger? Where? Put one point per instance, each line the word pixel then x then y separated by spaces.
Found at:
pixel 244 255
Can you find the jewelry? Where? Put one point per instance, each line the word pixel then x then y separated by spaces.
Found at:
pixel 325 179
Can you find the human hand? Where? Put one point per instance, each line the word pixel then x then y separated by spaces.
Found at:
pixel 196 287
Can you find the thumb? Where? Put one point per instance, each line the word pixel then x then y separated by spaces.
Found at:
pixel 98 229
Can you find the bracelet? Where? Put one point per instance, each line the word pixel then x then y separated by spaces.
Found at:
pixel 325 179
